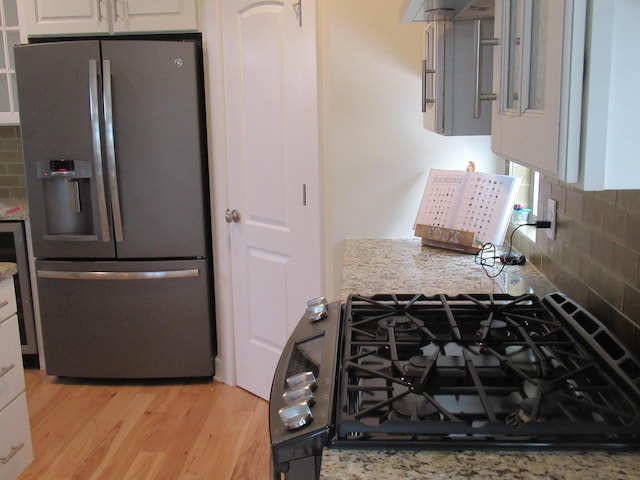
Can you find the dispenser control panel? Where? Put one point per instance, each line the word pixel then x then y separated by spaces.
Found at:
pixel 64 168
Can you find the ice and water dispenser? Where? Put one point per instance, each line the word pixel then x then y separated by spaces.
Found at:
pixel 66 187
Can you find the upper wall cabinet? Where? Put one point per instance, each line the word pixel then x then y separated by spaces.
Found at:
pixel 435 10
pixel 457 68
pixel 528 74
pixel 9 36
pixel 610 139
pixel 567 89
pixel 73 17
pixel 456 75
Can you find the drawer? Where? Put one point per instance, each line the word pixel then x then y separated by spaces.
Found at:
pixel 16 451
pixel 7 299
pixel 11 371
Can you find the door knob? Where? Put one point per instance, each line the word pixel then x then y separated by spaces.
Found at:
pixel 232 216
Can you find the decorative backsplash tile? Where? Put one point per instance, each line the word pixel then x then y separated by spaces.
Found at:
pixel 595 257
pixel 12 181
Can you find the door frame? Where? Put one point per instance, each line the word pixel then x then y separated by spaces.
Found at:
pixel 211 27
pixel 210 18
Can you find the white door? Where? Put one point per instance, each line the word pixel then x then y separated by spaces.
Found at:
pixel 272 153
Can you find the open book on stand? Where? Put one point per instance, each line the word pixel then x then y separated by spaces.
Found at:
pixel 474 202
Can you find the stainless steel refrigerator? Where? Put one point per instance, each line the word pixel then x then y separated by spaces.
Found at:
pixel 115 160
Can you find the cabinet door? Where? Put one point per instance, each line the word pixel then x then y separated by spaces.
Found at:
pixel 62 17
pixel 9 36
pixel 11 370
pixel 16 451
pixel 433 77
pixel 456 68
pixel 528 80
pixel 154 15
pixel 7 299
pixel 59 17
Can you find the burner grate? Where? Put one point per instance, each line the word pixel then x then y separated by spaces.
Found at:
pixel 444 370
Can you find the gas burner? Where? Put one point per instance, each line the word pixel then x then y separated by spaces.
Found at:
pixel 400 324
pixel 416 365
pixel 419 361
pixel 493 323
pixel 548 409
pixel 523 359
pixel 412 407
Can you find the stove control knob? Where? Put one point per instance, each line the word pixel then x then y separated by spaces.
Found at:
pixel 300 380
pixel 299 395
pixel 295 416
pixel 317 309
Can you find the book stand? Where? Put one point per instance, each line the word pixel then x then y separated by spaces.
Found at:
pixel 448 238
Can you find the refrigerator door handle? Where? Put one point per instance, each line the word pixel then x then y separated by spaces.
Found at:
pixel 97 150
pixel 104 275
pixel 111 150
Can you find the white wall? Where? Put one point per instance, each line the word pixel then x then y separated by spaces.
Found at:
pixel 375 154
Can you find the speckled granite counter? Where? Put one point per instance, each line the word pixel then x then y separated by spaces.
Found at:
pixel 418 465
pixel 405 266
pixel 7 270
pixel 13 209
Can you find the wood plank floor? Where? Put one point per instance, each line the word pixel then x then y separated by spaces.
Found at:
pixel 145 430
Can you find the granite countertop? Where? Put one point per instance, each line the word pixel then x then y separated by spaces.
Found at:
pixel 489 465
pixel 405 266
pixel 13 209
pixel 7 270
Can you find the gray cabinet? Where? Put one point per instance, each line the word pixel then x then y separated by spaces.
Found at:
pixel 457 77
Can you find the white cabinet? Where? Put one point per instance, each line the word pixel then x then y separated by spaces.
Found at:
pixel 567 89
pixel 610 139
pixel 16 452
pixel 9 36
pixel 456 75
pixel 528 78
pixel 72 17
pixel 15 438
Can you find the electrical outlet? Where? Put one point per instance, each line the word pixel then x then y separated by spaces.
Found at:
pixel 552 217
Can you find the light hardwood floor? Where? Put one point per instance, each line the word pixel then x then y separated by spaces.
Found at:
pixel 145 430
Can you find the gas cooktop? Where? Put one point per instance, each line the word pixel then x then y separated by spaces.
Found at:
pixel 482 370
pixel 473 371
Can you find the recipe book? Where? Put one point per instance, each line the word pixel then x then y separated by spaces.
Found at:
pixel 469 201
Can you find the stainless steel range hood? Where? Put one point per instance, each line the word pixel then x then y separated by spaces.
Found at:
pixel 435 10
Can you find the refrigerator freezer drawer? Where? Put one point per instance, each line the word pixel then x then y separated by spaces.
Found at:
pixel 139 319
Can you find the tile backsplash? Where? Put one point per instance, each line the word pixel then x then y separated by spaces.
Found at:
pixel 12 182
pixel 595 257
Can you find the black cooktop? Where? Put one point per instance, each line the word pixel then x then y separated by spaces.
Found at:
pixel 482 370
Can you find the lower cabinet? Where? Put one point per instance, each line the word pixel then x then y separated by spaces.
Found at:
pixel 16 451
pixel 15 439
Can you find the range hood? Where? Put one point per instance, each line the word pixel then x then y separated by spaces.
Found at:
pixel 435 10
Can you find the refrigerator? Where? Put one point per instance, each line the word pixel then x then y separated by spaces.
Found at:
pixel 114 143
